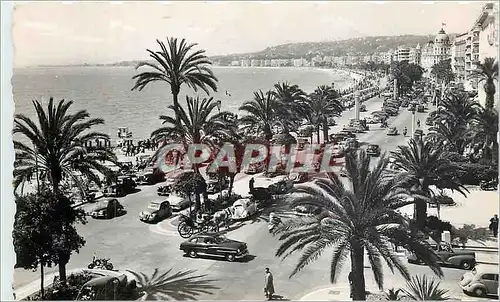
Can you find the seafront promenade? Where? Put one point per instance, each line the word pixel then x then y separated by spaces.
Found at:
pixel 157 246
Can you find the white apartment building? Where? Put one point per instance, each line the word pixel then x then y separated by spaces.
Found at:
pixel 415 55
pixel 403 54
pixel 458 56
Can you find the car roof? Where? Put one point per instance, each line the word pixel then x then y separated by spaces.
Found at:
pixel 158 201
pixel 486 268
pixel 372 145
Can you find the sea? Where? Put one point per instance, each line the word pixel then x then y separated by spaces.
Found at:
pixel 105 92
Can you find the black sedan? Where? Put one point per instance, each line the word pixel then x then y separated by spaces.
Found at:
pixel 373 150
pixel 214 244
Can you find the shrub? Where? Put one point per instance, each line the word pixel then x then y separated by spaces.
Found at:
pixel 444 199
pixel 59 291
pixel 435 227
pixel 475 173
pixel 470 232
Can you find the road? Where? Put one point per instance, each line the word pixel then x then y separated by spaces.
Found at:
pixel 137 246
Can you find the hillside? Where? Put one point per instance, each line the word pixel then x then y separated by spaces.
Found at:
pixel 365 45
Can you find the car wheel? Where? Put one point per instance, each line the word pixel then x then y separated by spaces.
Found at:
pixel 193 254
pixel 230 257
pixel 466 265
pixel 479 292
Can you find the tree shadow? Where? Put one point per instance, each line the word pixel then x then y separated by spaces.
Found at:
pixel 182 285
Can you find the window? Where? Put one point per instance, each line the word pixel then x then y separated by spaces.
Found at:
pixel 208 241
pixel 489 277
pixel 193 240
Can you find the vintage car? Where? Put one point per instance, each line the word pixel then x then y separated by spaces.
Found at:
pixel 373 150
pixel 351 144
pixel 244 208
pixel 449 256
pixel 123 186
pixel 392 131
pixel 372 120
pixel 214 244
pixel 216 185
pixel 179 203
pixel 420 108
pixel 281 187
pixel 107 209
pixel 146 177
pixel 337 151
pixel 107 285
pixel 343 172
pixel 156 211
pixel 362 108
pixel 481 281
pixel 299 177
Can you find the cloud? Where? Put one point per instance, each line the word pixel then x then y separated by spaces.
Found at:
pixel 119 25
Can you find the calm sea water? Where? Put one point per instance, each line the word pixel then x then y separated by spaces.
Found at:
pixel 105 92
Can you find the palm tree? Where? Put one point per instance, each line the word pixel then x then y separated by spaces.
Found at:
pixel 451 133
pixel 393 294
pixel 324 103
pixel 182 285
pixel 484 130
pixel 261 115
pixel 291 105
pixel 428 163
pixel 352 221
pixel 56 150
pixel 459 108
pixel 487 72
pixel 422 288
pixel 177 65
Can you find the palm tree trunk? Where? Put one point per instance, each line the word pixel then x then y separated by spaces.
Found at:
pixel 489 89
pixel 420 213
pixel 357 266
pixel 317 132
pixel 42 281
pixel 325 131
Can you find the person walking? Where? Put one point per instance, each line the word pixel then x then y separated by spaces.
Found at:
pixel 269 284
pixel 351 284
pixel 418 123
pixel 494 225
pixel 251 184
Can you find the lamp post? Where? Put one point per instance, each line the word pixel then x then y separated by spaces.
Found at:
pixel 356 105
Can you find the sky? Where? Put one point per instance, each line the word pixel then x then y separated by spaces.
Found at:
pixel 87 32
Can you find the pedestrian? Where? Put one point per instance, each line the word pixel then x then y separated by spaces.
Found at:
pixel 351 284
pixel 494 225
pixel 269 284
pixel 418 123
pixel 251 184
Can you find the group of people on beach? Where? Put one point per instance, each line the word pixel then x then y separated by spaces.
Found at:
pixel 143 145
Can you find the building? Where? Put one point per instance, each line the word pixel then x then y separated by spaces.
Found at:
pixel 245 63
pixel 486 27
pixel 415 55
pixel 403 54
pixel 235 63
pixel 436 51
pixel 387 57
pixel 458 56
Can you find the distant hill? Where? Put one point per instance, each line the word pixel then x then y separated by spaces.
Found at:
pixel 357 46
pixel 307 50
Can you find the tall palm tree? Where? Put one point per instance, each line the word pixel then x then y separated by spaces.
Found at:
pixel 452 133
pixel 56 150
pixel 176 64
pixel 196 125
pixel 459 108
pixel 487 72
pixel 182 285
pixel 354 220
pixel 428 163
pixel 422 288
pixel 484 130
pixel 291 105
pixel 260 113
pixel 324 103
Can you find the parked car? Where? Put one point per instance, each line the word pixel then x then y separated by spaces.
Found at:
pixel 372 120
pixel 337 151
pixel 447 255
pixel 179 203
pixel 420 108
pixel 107 209
pixel 411 107
pixel 418 132
pixel 392 131
pixel 214 244
pixel 216 185
pixel 123 186
pixel 244 208
pixel 373 150
pixel 146 177
pixel 156 211
pixel 481 281
pixel 343 172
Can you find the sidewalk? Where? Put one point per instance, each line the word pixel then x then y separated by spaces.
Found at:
pixel 335 293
